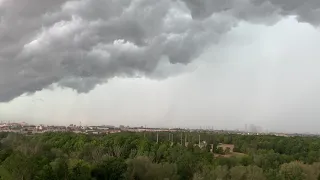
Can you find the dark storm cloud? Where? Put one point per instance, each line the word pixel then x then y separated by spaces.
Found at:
pixel 79 44
pixel 306 11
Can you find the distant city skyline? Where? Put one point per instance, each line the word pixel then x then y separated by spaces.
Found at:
pixel 252 128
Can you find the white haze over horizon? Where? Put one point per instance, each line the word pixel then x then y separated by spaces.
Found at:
pixel 266 75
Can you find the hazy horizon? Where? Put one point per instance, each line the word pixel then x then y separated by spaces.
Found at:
pixel 221 64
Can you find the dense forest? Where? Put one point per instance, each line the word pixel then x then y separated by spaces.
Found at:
pixel 166 156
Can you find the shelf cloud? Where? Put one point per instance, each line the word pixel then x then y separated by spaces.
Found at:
pixel 79 44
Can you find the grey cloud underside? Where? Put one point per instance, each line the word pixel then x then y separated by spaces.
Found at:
pixel 79 44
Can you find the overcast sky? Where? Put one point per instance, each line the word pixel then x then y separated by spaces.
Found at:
pixel 166 63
